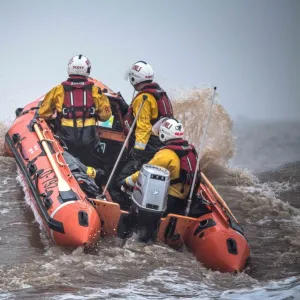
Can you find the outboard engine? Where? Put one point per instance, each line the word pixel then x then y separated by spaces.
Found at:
pixel 149 200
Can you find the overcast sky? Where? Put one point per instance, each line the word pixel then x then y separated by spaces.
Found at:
pixel 249 49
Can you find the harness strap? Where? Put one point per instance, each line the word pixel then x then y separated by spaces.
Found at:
pixel 84 114
pixel 175 181
pixel 73 112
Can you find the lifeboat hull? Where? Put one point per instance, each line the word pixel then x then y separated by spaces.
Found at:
pixel 68 217
pixel 218 248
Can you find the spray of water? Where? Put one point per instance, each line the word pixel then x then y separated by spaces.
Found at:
pixel 191 107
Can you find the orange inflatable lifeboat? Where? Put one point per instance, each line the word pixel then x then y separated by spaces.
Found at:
pixel 213 235
pixel 67 214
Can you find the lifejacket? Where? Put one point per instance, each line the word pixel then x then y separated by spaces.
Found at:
pixel 78 102
pixel 164 105
pixel 188 161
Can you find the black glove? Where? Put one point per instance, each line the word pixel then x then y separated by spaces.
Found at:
pixel 100 173
pixel 125 186
pixel 52 123
pixel 136 154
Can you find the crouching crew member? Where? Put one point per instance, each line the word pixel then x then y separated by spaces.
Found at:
pixel 180 159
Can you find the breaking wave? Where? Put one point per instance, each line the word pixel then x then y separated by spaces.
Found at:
pixel 192 107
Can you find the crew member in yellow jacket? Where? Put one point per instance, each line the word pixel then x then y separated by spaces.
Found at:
pixel 78 104
pixel 179 158
pixel 157 105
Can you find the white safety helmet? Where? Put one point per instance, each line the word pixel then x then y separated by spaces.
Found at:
pixel 79 65
pixel 170 129
pixel 139 72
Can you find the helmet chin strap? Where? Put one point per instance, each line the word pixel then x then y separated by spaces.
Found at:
pixel 175 139
pixel 133 94
pixel 138 86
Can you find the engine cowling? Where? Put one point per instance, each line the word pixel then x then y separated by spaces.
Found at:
pixel 149 200
pixel 151 190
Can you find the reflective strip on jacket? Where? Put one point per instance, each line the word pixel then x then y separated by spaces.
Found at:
pixel 168 159
pixel 54 101
pixel 143 125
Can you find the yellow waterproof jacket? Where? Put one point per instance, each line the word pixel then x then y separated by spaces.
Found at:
pixel 168 159
pixel 54 101
pixel 143 125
